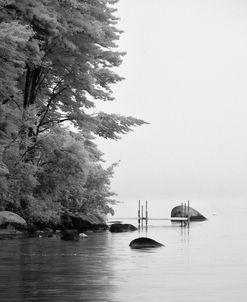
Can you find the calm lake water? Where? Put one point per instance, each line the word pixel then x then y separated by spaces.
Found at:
pixel 207 262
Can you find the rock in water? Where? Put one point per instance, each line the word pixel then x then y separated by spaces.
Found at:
pixel 12 226
pixel 70 235
pixel 178 211
pixel 83 222
pixel 121 227
pixel 3 169
pixel 11 220
pixel 144 242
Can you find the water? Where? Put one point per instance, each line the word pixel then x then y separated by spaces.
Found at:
pixel 204 263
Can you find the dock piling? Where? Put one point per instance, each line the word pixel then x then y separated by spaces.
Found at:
pixel 188 213
pixel 184 219
pixel 146 214
pixel 142 217
pixel 139 214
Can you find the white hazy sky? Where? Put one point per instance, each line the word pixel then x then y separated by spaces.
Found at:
pixel 186 74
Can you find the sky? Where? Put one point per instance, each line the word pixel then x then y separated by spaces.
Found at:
pixel 186 74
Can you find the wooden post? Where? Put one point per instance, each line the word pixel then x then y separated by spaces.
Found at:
pixel 184 223
pixel 139 213
pixel 181 213
pixel 146 214
pixel 188 213
pixel 142 217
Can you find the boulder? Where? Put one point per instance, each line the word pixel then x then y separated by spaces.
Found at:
pixel 10 220
pixel 121 227
pixel 3 169
pixel 178 211
pixel 70 235
pixel 144 242
pixel 83 222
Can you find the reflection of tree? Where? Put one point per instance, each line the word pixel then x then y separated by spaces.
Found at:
pixel 53 270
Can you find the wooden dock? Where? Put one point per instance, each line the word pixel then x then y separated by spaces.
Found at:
pixel 184 220
pixel 141 219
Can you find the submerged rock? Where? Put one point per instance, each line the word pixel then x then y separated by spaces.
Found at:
pixel 144 242
pixel 122 227
pixel 178 211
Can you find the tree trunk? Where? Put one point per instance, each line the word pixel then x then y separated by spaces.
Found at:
pixel 3 168
pixel 3 142
pixel 28 131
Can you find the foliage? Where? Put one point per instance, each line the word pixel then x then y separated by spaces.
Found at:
pixel 13 38
pixel 65 177
pixel 57 60
pixel 69 60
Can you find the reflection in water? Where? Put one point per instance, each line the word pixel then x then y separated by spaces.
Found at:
pixel 206 263
pixel 54 270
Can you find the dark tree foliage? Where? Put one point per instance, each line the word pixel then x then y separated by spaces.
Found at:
pixel 57 60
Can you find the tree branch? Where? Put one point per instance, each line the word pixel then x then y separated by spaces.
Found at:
pixel 56 121
pixel 54 95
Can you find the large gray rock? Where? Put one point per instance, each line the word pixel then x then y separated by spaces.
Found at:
pixel 122 227
pixel 143 243
pixel 3 169
pixel 12 226
pixel 83 222
pixel 178 211
pixel 11 220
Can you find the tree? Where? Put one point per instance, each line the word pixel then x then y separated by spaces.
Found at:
pixel 67 177
pixel 13 38
pixel 69 61
pixel 57 60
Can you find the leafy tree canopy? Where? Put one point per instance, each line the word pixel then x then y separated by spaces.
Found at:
pixel 57 60
pixel 68 51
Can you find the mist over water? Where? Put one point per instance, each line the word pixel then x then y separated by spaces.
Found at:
pixel 206 262
pixel 162 207
pixel 185 71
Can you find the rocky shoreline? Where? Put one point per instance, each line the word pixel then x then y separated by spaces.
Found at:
pixel 12 226
pixel 71 226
